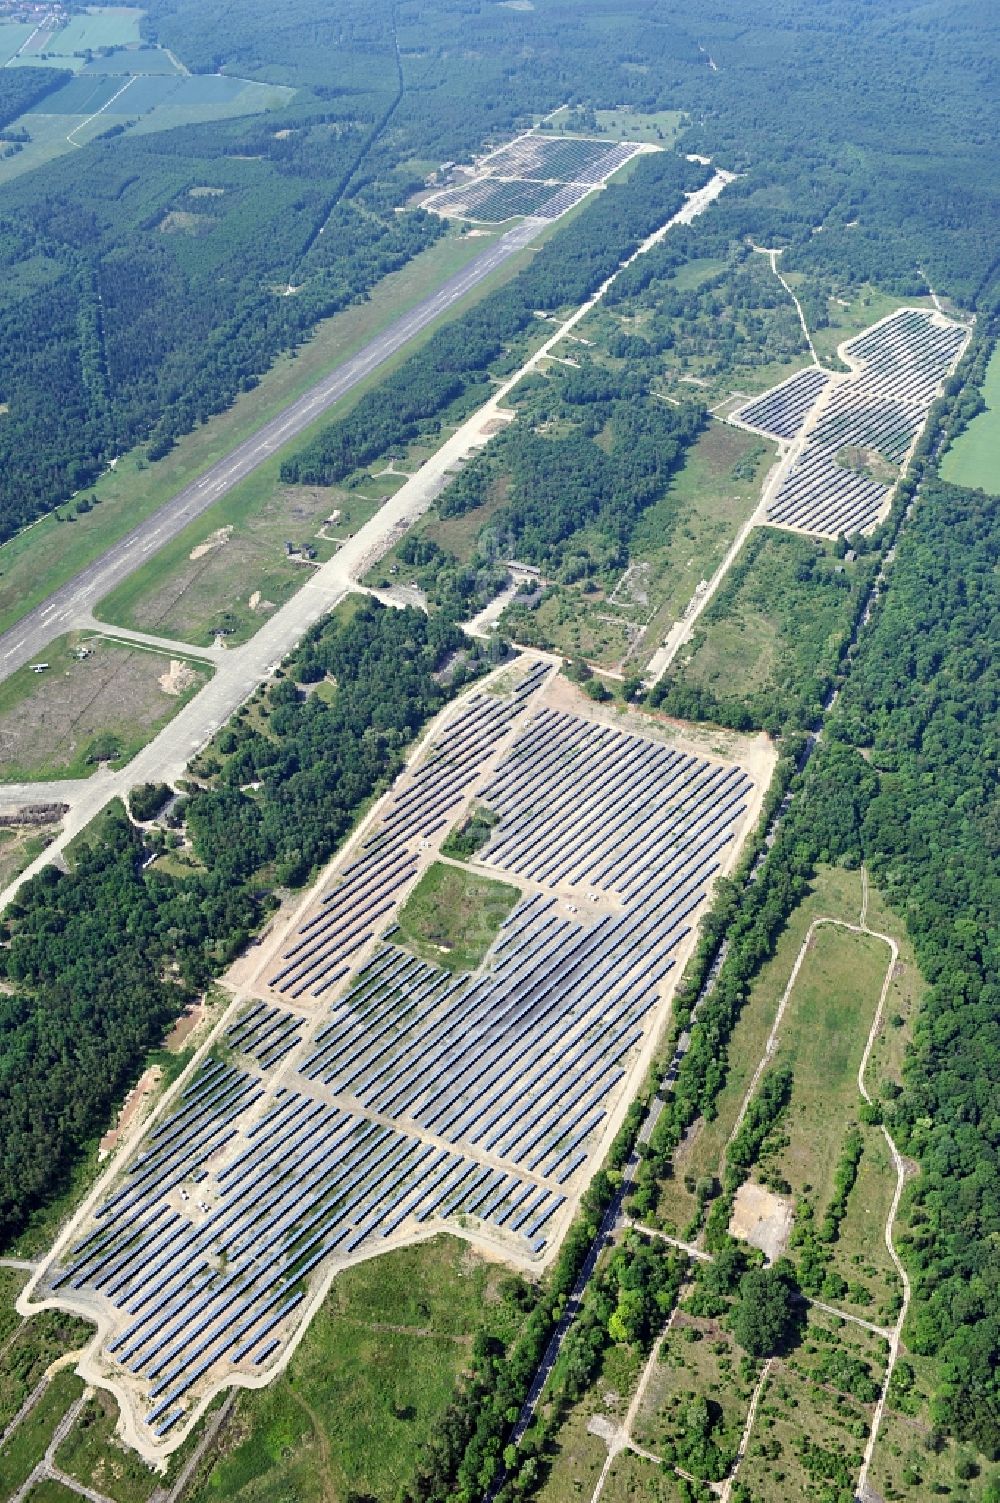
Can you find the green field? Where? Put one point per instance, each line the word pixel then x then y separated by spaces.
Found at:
pixel 835 893
pixel 81 711
pixel 822 1038
pixel 660 127
pixel 452 916
pixel 45 555
pixel 26 1447
pixel 974 458
pixel 13 34
pixel 766 648
pixel 364 1391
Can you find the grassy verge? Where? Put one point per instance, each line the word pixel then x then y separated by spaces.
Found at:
pixel 26 1447
pixel 369 1383
pixel 96 701
pixel 974 458
pixel 19 845
pixel 452 916
pixel 44 556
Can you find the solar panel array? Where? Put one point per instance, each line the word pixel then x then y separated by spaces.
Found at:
pixel 782 411
pixel 566 159
pixel 535 175
pixel 365 892
pixel 881 408
pixel 416 1096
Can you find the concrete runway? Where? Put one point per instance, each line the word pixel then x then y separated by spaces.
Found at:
pixel 76 598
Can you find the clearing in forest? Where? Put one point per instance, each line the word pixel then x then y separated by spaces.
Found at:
pixel 973 459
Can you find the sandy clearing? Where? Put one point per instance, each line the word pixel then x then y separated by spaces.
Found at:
pixel 217 539
pixel 178 678
pixel 762 1219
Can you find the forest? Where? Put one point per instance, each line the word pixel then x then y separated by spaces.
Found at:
pixel 87 956
pixel 923 704
pixel 115 330
pixel 20 88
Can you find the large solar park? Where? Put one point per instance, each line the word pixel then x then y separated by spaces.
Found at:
pixel 535 175
pixel 359 1097
pixel 898 367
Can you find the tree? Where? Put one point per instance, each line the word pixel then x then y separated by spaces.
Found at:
pixel 764 1319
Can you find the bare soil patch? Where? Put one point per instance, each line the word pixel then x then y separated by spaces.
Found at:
pixel 131 1106
pixel 762 1219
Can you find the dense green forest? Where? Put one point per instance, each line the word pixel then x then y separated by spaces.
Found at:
pixel 89 985
pixel 20 88
pixel 923 703
pixel 114 331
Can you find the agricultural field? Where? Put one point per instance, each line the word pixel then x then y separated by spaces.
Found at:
pixel 365 1389
pixel 98 701
pixel 974 458
pixel 452 916
pixel 139 87
pixel 765 650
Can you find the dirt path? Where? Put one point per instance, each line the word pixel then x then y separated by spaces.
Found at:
pixel 772 256
pixel 893 1334
pixel 322 1442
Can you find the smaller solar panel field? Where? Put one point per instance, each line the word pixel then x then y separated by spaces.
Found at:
pixel 535 175
pixel 859 429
